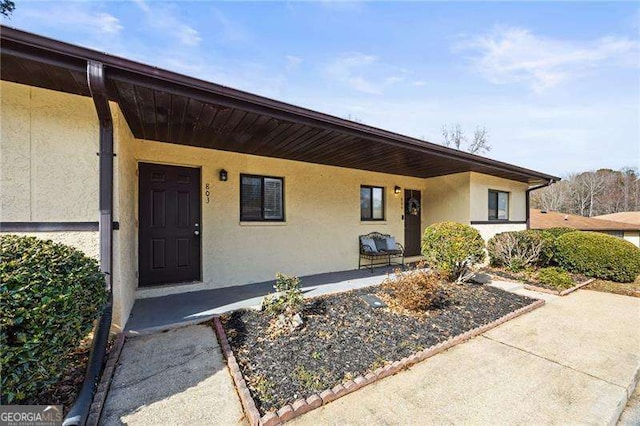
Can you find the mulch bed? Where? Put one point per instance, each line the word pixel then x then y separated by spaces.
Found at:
pixel 529 278
pixel 343 337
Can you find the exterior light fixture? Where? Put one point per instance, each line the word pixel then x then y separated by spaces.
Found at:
pixel 223 175
pixel 396 189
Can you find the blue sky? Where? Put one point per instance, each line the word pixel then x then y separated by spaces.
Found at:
pixel 556 84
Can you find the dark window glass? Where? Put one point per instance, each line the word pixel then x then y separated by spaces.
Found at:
pixel 261 198
pixel 498 205
pixel 371 203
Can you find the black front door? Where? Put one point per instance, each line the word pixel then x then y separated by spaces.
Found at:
pixel 169 219
pixel 412 236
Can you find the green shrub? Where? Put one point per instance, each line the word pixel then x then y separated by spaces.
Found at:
pixel 49 296
pixel 452 248
pixel 556 232
pixel 517 250
pixel 288 299
pixel 416 289
pixel 555 277
pixel 598 255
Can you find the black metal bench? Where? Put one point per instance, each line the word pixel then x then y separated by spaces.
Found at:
pixel 382 252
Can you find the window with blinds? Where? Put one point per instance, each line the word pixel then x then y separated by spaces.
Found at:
pixel 371 203
pixel 498 205
pixel 261 198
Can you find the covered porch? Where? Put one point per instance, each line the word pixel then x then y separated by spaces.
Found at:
pixel 154 314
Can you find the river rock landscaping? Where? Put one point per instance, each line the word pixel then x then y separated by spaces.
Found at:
pixel 343 336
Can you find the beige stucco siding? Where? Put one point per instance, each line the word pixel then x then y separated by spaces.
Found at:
pixel 322 209
pixel 86 241
pixel 446 198
pixel 48 145
pixel 125 252
pixel 481 184
pixel 633 237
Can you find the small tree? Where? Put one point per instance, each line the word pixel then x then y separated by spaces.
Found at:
pixel 454 137
pixel 7 7
pixel 452 249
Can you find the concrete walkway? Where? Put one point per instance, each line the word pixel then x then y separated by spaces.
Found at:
pixel 576 360
pixel 173 378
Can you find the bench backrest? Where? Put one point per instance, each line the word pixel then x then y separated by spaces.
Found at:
pixel 374 236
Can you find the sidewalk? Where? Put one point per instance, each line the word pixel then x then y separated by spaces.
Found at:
pixel 173 378
pixel 576 360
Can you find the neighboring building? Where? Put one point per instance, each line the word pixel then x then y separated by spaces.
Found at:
pixel 625 217
pixel 214 187
pixel 542 219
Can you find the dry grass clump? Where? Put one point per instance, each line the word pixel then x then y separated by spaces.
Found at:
pixel 415 290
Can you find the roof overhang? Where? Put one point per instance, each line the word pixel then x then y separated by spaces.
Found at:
pixel 169 107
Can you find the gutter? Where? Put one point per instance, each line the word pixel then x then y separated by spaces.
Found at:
pixel 80 409
pixel 528 202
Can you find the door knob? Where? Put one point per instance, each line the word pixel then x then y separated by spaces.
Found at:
pixel 196 232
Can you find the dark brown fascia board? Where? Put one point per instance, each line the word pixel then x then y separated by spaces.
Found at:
pixel 137 73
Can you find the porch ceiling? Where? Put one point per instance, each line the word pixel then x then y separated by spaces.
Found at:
pixel 168 107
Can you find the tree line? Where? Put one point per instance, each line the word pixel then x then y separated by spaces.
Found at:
pixel 592 193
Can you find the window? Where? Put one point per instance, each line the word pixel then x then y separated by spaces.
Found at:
pixel 498 205
pixel 371 203
pixel 261 198
pixel 618 234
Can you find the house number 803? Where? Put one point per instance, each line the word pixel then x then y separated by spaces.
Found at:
pixel 207 193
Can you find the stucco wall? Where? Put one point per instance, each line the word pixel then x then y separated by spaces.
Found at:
pixel 480 186
pixel 86 241
pixel 48 145
pixel 124 242
pixel 633 237
pixel 446 198
pixel 489 230
pixel 322 209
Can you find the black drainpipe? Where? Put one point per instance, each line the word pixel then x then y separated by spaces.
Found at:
pixel 79 411
pixel 528 212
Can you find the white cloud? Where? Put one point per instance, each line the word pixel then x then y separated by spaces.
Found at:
pixel 419 83
pixel 188 36
pixel 365 73
pixel 166 19
pixel 508 55
pixel 293 62
pixel 75 16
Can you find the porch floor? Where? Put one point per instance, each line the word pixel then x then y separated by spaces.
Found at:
pixel 166 312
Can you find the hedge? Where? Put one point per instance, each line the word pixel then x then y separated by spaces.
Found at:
pixel 451 248
pixel 50 294
pixel 598 255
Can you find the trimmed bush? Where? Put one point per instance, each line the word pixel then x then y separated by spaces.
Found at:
pixel 556 232
pixel 555 277
pixel 517 250
pixel 598 255
pixel 452 248
pixel 50 294
pixel 415 290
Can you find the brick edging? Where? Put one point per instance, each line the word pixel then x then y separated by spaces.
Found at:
pixel 314 401
pixel 248 404
pixel 558 293
pixel 99 397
